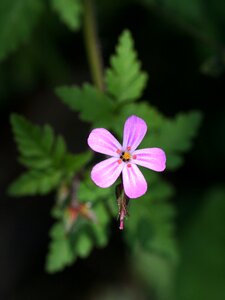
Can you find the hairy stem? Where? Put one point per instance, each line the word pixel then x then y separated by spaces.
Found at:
pixel 92 45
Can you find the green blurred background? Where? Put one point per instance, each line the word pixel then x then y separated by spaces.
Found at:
pixel 181 46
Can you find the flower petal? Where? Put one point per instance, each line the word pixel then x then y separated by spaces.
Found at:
pixel 151 158
pixel 105 173
pixel 102 141
pixel 134 130
pixel 134 182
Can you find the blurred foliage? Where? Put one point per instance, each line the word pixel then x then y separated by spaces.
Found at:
pixel 201 274
pixel 155 273
pixel 82 211
pixel 69 11
pixel 150 236
pixel 17 20
pixel 75 237
pixel 204 21
pixel 152 226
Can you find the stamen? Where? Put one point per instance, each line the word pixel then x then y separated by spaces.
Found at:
pixel 126 155
pixel 128 148
pixel 118 151
pixel 129 165
pixel 134 156
pixel 119 161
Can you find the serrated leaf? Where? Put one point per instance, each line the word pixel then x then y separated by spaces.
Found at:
pixel 32 141
pixel 35 183
pixel 93 105
pixel 176 136
pixel 150 114
pixel 46 157
pixel 69 12
pixel 60 253
pixel 125 81
pixel 17 20
pixel 181 130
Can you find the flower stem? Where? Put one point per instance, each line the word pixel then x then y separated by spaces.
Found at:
pixel 92 45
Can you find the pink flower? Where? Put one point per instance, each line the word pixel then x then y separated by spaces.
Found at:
pixel 125 158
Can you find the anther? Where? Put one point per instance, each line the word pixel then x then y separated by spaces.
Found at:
pixel 128 148
pixel 129 165
pixel 134 156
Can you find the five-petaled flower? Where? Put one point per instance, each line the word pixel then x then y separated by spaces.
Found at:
pixel 125 158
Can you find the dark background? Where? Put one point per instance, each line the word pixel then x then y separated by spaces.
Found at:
pixel 176 83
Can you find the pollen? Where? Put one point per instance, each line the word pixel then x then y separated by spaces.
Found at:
pixel 125 156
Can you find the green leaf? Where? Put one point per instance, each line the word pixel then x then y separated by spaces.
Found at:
pixel 88 191
pixel 69 12
pixel 84 234
pixel 150 114
pixel 38 146
pixel 67 245
pixel 93 105
pixel 125 80
pixel 84 245
pixel 60 253
pixel 35 182
pixel 46 157
pixel 150 225
pixel 176 136
pixel 17 20
pixel 149 233
pixel 74 163
pixel 31 140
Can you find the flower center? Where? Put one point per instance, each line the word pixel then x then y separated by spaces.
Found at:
pixel 125 156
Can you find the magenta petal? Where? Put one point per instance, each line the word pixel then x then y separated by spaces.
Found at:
pixel 151 158
pixel 134 182
pixel 106 172
pixel 102 141
pixel 134 130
